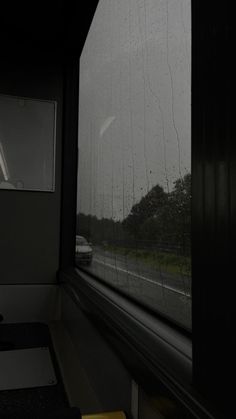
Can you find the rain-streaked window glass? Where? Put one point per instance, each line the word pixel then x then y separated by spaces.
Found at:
pixel 27 143
pixel 134 176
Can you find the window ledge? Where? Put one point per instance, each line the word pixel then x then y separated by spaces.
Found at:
pixel 155 347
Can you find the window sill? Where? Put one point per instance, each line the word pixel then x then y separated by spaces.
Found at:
pixel 158 356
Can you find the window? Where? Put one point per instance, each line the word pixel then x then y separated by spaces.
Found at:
pixel 80 241
pixel 27 143
pixel 134 169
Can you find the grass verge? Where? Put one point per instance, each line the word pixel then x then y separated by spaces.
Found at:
pixel 166 262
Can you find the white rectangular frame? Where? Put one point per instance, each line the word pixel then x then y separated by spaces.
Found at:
pixel 54 102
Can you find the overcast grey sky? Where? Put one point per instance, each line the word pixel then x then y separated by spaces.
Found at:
pixel 135 103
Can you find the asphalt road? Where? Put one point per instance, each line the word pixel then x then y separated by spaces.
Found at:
pixel 163 292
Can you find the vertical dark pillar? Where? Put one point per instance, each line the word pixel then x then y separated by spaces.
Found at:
pixel 69 157
pixel 214 199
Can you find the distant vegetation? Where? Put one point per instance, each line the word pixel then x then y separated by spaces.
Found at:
pixel 160 220
pixel 100 231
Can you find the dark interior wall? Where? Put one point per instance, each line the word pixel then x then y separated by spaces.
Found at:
pixel 105 374
pixel 30 221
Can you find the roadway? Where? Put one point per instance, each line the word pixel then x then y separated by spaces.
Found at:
pixel 167 293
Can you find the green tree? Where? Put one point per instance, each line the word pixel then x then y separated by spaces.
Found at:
pixel 147 208
pixel 99 230
pixel 180 205
pixel 163 217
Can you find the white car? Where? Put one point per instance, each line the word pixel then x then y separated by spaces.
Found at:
pixel 83 251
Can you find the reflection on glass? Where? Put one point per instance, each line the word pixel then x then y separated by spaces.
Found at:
pixel 134 178
pixel 27 143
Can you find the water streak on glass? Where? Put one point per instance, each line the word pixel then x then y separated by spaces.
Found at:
pixel 134 177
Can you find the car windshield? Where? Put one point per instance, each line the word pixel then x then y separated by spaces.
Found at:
pixel 81 241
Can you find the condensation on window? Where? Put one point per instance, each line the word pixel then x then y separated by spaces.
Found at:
pixel 134 176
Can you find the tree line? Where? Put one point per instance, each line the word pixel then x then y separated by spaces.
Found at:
pixel 158 218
